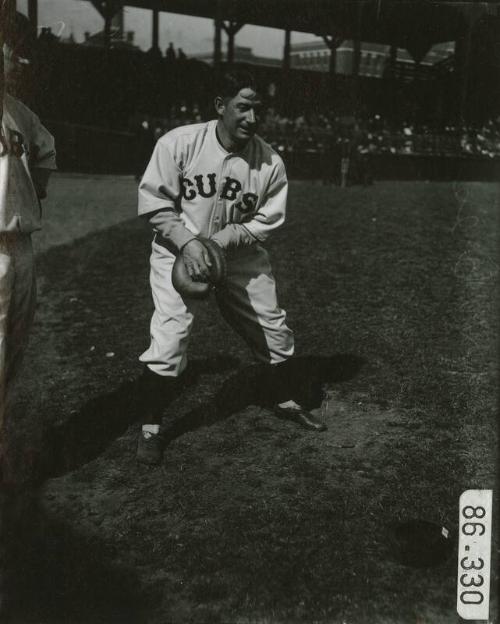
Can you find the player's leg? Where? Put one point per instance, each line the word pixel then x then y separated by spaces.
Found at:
pixel 249 303
pixel 17 305
pixel 166 358
pixel 22 304
pixel 18 299
pixel 6 282
pixel 171 321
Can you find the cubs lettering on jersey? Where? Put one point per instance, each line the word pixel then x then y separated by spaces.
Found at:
pixel 201 189
pixel 230 191
pixel 24 144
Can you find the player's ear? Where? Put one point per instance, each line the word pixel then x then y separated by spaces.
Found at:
pixel 219 105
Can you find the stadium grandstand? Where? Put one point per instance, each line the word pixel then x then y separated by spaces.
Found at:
pixel 394 93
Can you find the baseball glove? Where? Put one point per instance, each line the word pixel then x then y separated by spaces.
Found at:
pixel 183 283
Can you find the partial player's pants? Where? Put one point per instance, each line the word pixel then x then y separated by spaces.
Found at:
pixel 17 307
pixel 248 302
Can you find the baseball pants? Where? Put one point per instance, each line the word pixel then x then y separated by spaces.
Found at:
pixel 17 308
pixel 248 302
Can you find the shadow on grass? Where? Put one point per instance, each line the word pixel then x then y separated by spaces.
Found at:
pixel 301 379
pixel 56 575
pixel 86 434
pixel 52 574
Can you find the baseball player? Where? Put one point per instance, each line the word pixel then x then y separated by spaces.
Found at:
pixel 27 157
pixel 219 181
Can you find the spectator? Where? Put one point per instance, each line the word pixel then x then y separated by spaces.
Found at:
pixel 170 53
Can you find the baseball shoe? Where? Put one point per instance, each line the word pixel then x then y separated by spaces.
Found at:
pixel 300 416
pixel 149 449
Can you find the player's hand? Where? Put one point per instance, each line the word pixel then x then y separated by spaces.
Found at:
pixel 40 179
pixel 197 261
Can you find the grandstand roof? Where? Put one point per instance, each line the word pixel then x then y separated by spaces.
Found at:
pixel 411 24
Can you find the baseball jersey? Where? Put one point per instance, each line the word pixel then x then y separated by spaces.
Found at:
pixel 199 188
pixel 25 144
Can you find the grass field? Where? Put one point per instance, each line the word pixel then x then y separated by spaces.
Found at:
pixel 250 519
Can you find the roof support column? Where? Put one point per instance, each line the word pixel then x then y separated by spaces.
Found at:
pixel 33 14
pixel 356 57
pixel 332 65
pixel 416 70
pixel 231 29
pixel 286 52
pixel 333 42
pixel 393 55
pixel 107 9
pixel 392 87
pixel 286 65
pixel 107 29
pixel 155 39
pixel 356 62
pixel 462 68
pixel 217 37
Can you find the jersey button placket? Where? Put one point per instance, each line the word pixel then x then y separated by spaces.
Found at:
pixel 218 204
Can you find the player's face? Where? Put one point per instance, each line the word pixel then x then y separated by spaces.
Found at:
pixel 240 115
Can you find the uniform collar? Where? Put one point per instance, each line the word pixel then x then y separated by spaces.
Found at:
pixel 223 149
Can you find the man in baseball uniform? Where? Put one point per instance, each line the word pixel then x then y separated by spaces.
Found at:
pixel 219 181
pixel 27 157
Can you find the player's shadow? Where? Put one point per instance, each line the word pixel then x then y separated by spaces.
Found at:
pixel 301 379
pixel 86 434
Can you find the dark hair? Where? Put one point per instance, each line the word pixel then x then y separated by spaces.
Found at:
pixel 232 82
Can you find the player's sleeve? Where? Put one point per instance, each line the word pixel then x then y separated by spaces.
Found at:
pixel 42 146
pixel 159 192
pixel 42 155
pixel 270 215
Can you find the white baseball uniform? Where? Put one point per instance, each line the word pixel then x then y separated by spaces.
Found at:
pixel 24 145
pixel 193 186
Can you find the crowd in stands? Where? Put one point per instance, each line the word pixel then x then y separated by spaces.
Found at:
pixel 376 135
pixel 171 56
pixel 326 132
pixel 83 88
pixel 82 84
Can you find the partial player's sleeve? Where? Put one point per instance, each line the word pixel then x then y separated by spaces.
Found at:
pixel 159 191
pixel 42 147
pixel 270 215
pixel 233 235
pixel 171 228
